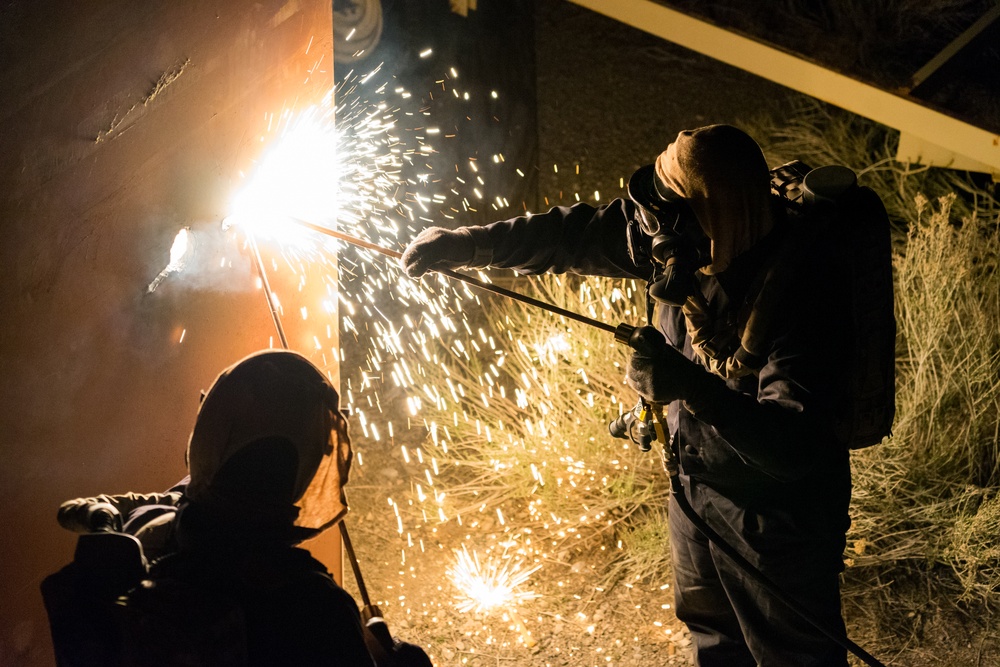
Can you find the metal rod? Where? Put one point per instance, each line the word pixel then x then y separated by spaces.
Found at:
pixel 475 282
pixel 349 548
pixel 275 317
pixel 353 240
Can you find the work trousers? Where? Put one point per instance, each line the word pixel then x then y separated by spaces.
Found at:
pixel 733 620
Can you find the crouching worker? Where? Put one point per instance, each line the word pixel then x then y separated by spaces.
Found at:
pixel 268 459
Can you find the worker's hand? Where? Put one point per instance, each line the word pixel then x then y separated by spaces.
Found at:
pixel 104 517
pixel 386 651
pixel 662 377
pixel 437 248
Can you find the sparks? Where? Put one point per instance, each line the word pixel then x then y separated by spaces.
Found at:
pixel 495 583
pixel 489 393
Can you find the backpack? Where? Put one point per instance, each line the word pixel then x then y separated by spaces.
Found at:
pixel 80 598
pixel 853 222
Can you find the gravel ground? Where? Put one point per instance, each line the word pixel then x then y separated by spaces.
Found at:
pixel 571 622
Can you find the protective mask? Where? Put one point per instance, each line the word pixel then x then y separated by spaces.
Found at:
pixel 678 245
pixel 276 395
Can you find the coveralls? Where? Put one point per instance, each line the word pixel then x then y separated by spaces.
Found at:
pixel 757 454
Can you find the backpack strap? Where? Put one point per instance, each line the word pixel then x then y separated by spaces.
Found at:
pixel 739 348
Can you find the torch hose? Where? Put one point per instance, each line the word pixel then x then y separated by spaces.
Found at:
pixel 633 337
pixel 670 464
pixel 349 548
pixel 677 492
pixel 276 320
pixel 271 306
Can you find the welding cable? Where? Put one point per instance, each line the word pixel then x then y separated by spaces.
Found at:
pixel 677 491
pixel 349 549
pixel 648 341
pixel 623 334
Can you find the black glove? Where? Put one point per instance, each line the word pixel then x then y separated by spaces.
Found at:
pixel 410 655
pixel 389 652
pixel 386 651
pixel 664 376
pixel 438 248
pixel 104 518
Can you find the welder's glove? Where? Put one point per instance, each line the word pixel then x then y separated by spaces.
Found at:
pixel 84 515
pixel 436 248
pixel 104 517
pixel 384 649
pixel 666 376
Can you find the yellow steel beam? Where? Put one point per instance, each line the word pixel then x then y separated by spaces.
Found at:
pixel 931 137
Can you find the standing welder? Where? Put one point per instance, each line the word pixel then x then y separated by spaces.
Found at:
pixel 752 376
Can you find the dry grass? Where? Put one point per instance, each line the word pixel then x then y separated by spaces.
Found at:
pixel 929 493
pixel 520 435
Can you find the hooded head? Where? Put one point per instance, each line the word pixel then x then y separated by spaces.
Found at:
pixel 269 441
pixel 721 173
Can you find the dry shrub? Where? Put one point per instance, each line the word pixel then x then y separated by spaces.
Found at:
pixel 522 435
pixel 927 494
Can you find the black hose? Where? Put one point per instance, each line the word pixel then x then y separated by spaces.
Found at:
pixel 631 336
pixel 677 491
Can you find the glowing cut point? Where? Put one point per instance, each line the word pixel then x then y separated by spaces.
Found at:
pixel 298 176
pixel 178 258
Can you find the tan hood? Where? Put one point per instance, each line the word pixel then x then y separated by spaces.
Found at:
pixel 276 395
pixel 722 173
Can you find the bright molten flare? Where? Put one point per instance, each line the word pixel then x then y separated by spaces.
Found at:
pixel 178 258
pixel 495 583
pixel 297 176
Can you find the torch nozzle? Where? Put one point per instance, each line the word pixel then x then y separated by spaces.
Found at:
pixel 635 425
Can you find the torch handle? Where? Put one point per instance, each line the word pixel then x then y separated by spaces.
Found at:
pixel 349 548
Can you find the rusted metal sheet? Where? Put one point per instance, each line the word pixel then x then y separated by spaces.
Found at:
pixel 123 123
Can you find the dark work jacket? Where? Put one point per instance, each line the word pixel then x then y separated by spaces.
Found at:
pixel 291 611
pixel 763 441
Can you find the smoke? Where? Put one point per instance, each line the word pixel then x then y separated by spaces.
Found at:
pixel 206 257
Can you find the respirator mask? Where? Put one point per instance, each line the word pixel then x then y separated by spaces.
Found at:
pixel 678 246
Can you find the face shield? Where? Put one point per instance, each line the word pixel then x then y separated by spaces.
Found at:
pixel 660 209
pixel 272 404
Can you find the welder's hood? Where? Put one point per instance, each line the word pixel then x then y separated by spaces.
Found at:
pixel 275 419
pixel 723 175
